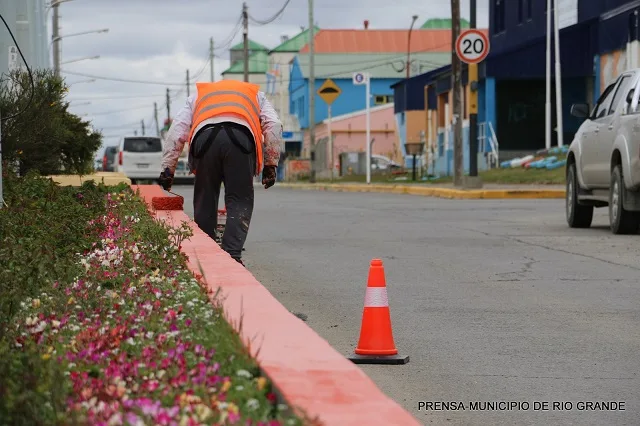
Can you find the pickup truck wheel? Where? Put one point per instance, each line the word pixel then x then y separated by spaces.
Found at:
pixel 621 221
pixel 578 216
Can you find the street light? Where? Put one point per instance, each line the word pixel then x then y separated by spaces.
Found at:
pixel 78 104
pixel 103 30
pixel 414 149
pixel 413 21
pixel 80 59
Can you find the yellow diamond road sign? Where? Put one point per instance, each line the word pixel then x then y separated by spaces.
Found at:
pixel 329 91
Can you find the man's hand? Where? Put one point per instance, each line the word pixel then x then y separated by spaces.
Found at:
pixel 269 176
pixel 166 179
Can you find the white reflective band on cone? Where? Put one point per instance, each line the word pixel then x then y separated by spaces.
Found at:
pixel 376 297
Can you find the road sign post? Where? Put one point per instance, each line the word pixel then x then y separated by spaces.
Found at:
pixel 360 78
pixel 472 47
pixel 329 92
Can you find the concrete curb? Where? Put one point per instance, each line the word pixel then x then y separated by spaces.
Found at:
pixel 459 194
pixel 306 370
pixel 107 178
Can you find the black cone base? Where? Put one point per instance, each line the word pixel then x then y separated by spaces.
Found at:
pixel 378 359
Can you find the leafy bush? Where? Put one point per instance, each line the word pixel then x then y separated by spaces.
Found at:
pixel 46 137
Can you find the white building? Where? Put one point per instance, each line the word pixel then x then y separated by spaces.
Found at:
pixel 278 72
pixel 28 22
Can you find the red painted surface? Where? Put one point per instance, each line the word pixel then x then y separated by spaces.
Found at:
pixel 307 371
pixel 167 203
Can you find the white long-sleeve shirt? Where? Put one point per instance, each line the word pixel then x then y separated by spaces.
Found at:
pixel 181 127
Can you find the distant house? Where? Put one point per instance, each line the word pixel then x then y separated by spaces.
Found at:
pixel 258 61
pixel 236 53
pixel 381 53
pixel 277 87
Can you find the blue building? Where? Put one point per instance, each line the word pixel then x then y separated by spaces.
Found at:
pixel 595 47
pixel 381 53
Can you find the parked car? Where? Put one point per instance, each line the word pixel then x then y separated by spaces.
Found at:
pixel 109 159
pixel 383 164
pixel 182 175
pixel 603 162
pixel 140 158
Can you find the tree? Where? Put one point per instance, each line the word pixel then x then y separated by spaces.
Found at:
pixel 45 137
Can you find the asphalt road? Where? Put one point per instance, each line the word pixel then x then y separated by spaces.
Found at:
pixel 492 300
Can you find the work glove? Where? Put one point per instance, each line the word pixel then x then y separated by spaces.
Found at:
pixel 269 176
pixel 166 179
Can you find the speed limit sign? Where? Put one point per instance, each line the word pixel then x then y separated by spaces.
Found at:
pixel 472 46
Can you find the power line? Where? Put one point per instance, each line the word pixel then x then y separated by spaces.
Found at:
pixel 229 39
pixel 273 18
pixel 123 80
pixel 120 110
pixel 109 98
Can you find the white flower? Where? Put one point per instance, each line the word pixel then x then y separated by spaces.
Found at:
pixel 253 404
pixel 40 328
pixel 244 373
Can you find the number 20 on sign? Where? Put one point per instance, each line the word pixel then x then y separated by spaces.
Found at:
pixel 472 46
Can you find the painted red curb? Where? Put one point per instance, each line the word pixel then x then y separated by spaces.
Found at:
pixel 307 371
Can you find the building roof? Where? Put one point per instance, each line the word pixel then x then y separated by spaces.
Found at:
pixel 443 24
pixel 378 65
pixel 296 43
pixel 258 64
pixel 253 46
pixel 358 113
pixel 380 41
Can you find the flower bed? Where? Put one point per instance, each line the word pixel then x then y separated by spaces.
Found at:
pixel 132 338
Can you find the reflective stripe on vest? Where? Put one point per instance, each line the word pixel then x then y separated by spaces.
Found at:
pixel 233 98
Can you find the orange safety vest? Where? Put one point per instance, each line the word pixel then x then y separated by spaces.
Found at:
pixel 234 98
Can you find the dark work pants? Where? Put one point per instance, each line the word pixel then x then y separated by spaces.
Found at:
pixel 224 162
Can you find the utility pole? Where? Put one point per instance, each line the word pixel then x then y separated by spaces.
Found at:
pixel 188 83
pixel 142 124
pixel 245 38
pixel 473 110
pixel 168 105
pixel 556 38
pixel 312 95
pixel 56 37
pixel 211 58
pixel 457 92
pixel 547 105
pixel 155 116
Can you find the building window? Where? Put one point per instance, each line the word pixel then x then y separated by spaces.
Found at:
pixel 498 16
pixel 529 9
pixel 521 11
pixel 382 99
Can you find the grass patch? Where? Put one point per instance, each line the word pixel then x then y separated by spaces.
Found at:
pixel 105 323
pixel 504 176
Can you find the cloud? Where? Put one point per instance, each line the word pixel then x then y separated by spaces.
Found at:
pixel 156 41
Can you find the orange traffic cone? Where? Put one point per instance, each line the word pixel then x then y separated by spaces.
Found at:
pixel 376 344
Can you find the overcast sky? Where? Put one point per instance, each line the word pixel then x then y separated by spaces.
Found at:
pixel 156 41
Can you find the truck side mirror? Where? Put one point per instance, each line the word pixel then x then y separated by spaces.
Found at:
pixel 580 110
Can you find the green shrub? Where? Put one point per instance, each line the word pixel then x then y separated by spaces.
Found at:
pixel 45 137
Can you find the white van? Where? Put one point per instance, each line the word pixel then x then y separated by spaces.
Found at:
pixel 182 173
pixel 140 158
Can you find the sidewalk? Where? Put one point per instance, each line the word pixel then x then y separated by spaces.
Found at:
pixel 488 191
